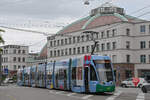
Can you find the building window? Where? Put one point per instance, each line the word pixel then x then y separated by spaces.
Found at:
pixel 23 52
pixel 114 58
pixel 128 58
pixel 23 59
pixel 108 33
pixel 113 45
pixel 87 37
pixel 74 39
pixel 14 67
pixel 19 67
pixel 114 32
pixel 128 74
pixel 58 52
pixel 51 43
pixel 97 47
pixel 58 42
pixel 143 44
pixel 69 40
pixel 143 58
pixel 6 51
pixel 102 34
pixel 127 31
pixel 55 53
pixel 127 44
pixel 51 53
pixel 66 51
pixel 62 42
pixel 78 50
pixel 70 51
pixel 97 35
pixel 74 51
pixel 78 39
pixel 103 46
pixel 14 59
pixel 19 51
pixel 19 59
pixel 142 28
pixel 82 37
pixel 14 51
pixel 62 52
pixel 54 43
pixel 108 46
pixel 82 49
pixel 87 49
pixel 65 41
pixel 23 66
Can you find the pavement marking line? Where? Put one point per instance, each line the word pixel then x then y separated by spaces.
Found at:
pixel 70 94
pixel 140 96
pixel 114 96
pixel 11 97
pixel 59 92
pixel 87 96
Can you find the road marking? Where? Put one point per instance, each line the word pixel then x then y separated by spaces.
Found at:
pixel 87 96
pixel 11 97
pixel 114 96
pixel 59 92
pixel 140 96
pixel 70 94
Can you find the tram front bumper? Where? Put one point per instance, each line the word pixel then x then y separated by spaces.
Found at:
pixel 101 88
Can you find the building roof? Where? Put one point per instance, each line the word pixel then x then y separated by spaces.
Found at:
pixel 104 15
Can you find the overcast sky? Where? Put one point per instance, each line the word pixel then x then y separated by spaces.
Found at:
pixel 55 12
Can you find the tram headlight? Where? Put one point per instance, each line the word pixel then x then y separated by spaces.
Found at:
pixel 102 82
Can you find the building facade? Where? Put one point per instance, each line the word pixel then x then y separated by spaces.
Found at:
pixel 126 39
pixel 14 57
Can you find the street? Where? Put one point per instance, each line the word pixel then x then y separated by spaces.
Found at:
pixel 13 92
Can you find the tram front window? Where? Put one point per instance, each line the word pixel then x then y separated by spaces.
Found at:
pixel 104 70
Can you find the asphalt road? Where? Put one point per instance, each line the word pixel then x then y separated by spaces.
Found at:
pixel 13 92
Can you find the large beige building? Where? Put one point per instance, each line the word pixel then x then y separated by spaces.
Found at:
pixel 124 38
pixel 14 56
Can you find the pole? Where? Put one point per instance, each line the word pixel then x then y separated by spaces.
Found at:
pixel 0 69
pixel 92 38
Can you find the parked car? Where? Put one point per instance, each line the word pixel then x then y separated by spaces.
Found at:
pixel 133 82
pixel 8 80
pixel 146 87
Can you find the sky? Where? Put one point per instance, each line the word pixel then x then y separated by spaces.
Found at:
pixel 50 16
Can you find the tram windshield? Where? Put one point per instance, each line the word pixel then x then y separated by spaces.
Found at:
pixel 104 70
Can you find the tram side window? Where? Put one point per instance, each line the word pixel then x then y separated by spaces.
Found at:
pixel 74 73
pixel 79 73
pixel 32 75
pixel 61 74
pixel 93 76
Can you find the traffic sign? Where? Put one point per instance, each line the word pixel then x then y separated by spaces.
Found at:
pixel 6 71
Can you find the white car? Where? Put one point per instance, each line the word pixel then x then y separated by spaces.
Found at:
pixel 133 82
pixel 146 87
pixel 8 80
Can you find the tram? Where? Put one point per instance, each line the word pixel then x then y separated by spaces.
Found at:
pixel 88 73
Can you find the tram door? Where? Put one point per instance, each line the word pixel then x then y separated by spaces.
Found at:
pixel 86 80
pixel 65 79
pixel 56 80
